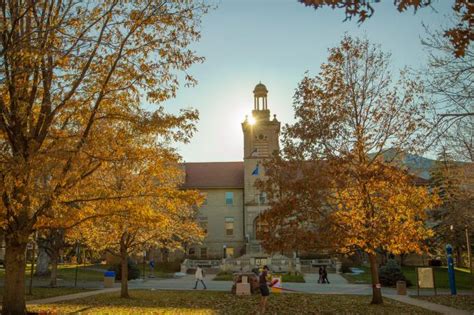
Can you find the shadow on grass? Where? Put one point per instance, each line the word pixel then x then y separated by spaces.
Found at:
pixel 208 302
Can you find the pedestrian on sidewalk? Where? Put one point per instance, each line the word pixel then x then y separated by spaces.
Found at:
pixel 199 275
pixel 320 279
pixel 264 290
pixel 152 268
pixel 325 275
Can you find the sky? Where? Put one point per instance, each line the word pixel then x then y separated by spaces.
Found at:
pixel 275 42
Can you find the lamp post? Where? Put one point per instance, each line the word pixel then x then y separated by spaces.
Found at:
pixel 452 280
pixel 144 263
pixel 78 251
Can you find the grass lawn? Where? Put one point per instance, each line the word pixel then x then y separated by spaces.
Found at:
pixel 224 276
pixel 42 293
pixel 293 278
pixel 67 272
pixel 358 278
pixel 84 273
pixel 208 302
pixel 463 277
pixel 462 302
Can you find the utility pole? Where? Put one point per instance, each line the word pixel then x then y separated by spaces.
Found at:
pixel 469 257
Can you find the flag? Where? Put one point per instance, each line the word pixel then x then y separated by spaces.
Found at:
pixel 255 171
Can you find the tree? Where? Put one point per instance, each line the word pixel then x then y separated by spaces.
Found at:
pixel 53 241
pixel 160 215
pixel 454 181
pixel 343 185
pixel 72 75
pixel 449 81
pixel 460 36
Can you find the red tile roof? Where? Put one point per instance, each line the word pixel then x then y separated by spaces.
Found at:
pixel 214 175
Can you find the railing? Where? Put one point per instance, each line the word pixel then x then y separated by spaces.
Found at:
pixel 316 262
pixel 208 263
pixel 281 262
pixel 238 262
pixel 246 264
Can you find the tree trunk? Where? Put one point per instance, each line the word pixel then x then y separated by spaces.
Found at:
pixel 42 262
pixel 124 271
pixel 15 262
pixel 376 287
pixel 54 271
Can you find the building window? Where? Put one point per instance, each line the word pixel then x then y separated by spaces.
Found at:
pixel 261 198
pixel 203 252
pixel 229 252
pixel 192 251
pixel 229 226
pixel 229 198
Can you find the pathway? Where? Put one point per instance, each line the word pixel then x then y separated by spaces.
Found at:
pixel 428 305
pixel 74 296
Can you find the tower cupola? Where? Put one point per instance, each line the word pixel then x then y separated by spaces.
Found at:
pixel 260 97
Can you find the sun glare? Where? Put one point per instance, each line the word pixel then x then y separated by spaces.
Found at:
pixel 251 120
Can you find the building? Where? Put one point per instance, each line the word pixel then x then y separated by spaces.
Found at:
pixel 230 212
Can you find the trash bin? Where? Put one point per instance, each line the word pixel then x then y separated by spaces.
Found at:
pixel 109 279
pixel 401 288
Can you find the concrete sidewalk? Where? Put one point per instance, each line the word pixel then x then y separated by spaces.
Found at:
pixel 74 296
pixel 428 305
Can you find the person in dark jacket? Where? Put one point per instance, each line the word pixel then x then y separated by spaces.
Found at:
pixel 320 280
pixel 264 290
pixel 325 275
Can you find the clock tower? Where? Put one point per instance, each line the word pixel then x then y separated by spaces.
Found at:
pixel 261 140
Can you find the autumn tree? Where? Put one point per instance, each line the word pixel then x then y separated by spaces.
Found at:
pixel 73 77
pixel 158 214
pixel 460 36
pixel 342 187
pixel 296 206
pixel 53 241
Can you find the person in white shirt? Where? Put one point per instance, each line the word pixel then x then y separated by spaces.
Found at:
pixel 199 275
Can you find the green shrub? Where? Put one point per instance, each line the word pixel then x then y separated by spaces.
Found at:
pixel 133 270
pixel 296 277
pixel 224 276
pixel 391 273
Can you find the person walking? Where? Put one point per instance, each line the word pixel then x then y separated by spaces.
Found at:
pixel 325 275
pixel 320 279
pixel 199 275
pixel 264 290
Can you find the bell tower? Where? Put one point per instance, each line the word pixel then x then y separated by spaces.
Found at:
pixel 261 141
pixel 261 135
